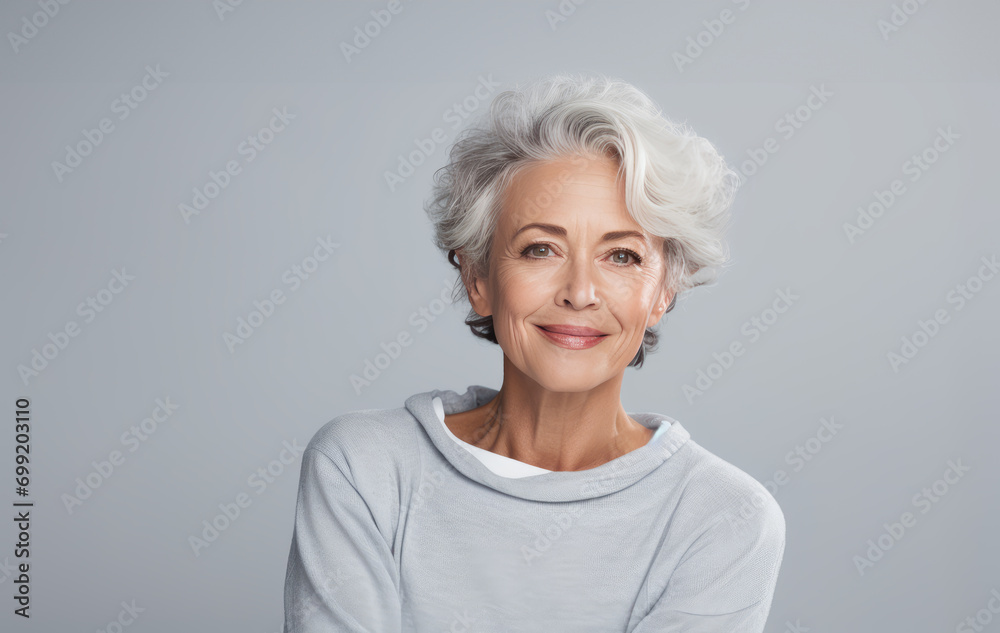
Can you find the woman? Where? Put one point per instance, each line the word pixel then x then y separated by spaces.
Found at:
pixel 575 214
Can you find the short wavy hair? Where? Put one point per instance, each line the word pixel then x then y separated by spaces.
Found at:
pixel 677 186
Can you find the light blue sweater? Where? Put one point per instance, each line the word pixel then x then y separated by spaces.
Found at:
pixel 399 528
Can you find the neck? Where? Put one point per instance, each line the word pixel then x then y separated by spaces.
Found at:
pixel 556 430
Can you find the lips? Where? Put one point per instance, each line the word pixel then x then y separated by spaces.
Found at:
pixel 572 337
pixel 572 330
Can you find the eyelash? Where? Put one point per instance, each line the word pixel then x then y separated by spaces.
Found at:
pixel 635 256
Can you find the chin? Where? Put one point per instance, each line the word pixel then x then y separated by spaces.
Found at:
pixel 570 376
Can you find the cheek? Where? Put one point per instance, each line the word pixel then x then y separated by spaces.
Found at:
pixel 521 292
pixel 629 296
pixel 520 295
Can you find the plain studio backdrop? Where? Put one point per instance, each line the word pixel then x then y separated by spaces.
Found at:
pixel 212 243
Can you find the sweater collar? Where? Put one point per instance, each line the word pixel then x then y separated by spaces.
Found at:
pixel 605 479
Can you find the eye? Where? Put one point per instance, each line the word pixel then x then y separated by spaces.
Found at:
pixel 543 248
pixel 627 253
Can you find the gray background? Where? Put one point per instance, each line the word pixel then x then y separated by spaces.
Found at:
pixel 323 175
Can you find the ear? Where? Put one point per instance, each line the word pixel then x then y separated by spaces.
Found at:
pixel 476 289
pixel 660 305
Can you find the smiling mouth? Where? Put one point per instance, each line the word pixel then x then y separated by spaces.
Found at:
pixel 574 338
pixel 572 330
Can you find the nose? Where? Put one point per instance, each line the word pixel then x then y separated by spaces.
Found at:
pixel 578 287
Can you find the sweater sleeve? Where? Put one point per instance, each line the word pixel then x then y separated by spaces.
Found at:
pixel 725 581
pixel 341 574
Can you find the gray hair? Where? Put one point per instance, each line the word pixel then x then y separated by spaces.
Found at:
pixel 677 186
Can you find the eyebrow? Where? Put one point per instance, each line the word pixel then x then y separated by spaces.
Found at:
pixel 558 230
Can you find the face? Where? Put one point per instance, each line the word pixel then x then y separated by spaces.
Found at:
pixel 567 254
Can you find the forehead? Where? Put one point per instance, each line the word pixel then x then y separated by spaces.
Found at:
pixel 579 185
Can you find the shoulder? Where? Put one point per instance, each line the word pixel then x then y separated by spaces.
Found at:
pixel 719 492
pixel 370 450
pixel 363 429
pixel 367 440
pixel 728 542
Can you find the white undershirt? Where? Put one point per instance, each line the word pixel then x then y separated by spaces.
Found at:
pixel 501 464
